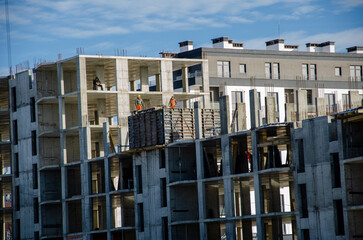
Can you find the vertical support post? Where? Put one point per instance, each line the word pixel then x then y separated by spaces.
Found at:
pixel 100 73
pixel 302 105
pixel 82 92
pixel 166 77
pixel 185 84
pixel 354 99
pixel 144 79
pixel 201 190
pixel 63 153
pixel 320 107
pixel 198 121
pixel 157 82
pixel 254 107
pixel 205 85
pixel 228 187
pixel 106 142
pixel 257 186
pixel 270 109
pixel 290 112
pixel 241 117
pixel 225 114
pixel 123 101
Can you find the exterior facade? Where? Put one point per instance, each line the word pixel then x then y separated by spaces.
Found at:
pixel 6 214
pixel 287 171
pixel 68 136
pixel 273 182
pixel 331 82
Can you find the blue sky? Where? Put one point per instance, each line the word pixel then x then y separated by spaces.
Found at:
pixel 40 29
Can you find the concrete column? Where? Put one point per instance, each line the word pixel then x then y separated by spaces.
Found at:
pixel 354 99
pixel 205 85
pixel 225 114
pixel 257 187
pixel 270 109
pixel 123 101
pixel 290 112
pixel 185 81
pixel 201 190
pixel 144 79
pixel 254 105
pixel 106 146
pixel 320 107
pixel 101 110
pixel 198 121
pixel 241 117
pixel 60 78
pixel 302 105
pixel 275 194
pixel 246 209
pixel 228 187
pixel 100 73
pixel 157 82
pixel 133 86
pixel 166 77
pixel 82 92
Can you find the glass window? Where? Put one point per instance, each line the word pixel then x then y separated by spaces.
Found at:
pixel 313 71
pixel 237 97
pixel 305 72
pixel 223 69
pixel 268 70
pixel 356 73
pixel 276 72
pixel 242 68
pixel 338 71
pixel 345 101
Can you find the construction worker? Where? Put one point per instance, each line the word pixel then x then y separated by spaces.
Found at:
pixel 172 102
pixel 139 103
pixel 97 83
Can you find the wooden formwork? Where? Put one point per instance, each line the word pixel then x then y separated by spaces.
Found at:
pixel 163 126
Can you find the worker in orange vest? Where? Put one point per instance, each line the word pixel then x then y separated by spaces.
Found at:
pixel 172 102
pixel 139 103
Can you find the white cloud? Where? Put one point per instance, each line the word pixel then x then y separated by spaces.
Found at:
pixel 88 18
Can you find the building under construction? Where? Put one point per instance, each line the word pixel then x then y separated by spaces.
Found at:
pixel 88 166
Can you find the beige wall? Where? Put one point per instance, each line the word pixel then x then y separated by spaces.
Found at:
pixel 289 68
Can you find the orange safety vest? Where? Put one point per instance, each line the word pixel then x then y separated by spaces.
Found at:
pixel 172 103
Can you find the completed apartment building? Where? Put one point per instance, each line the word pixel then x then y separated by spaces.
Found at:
pixel 331 82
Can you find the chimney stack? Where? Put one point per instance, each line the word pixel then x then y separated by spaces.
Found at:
pixel 355 49
pixel 224 42
pixel 327 47
pixel 186 46
pixel 279 45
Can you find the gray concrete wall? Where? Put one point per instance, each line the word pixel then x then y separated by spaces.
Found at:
pixel 26 159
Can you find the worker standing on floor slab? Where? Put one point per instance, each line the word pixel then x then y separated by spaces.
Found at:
pixel 139 103
pixel 172 102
